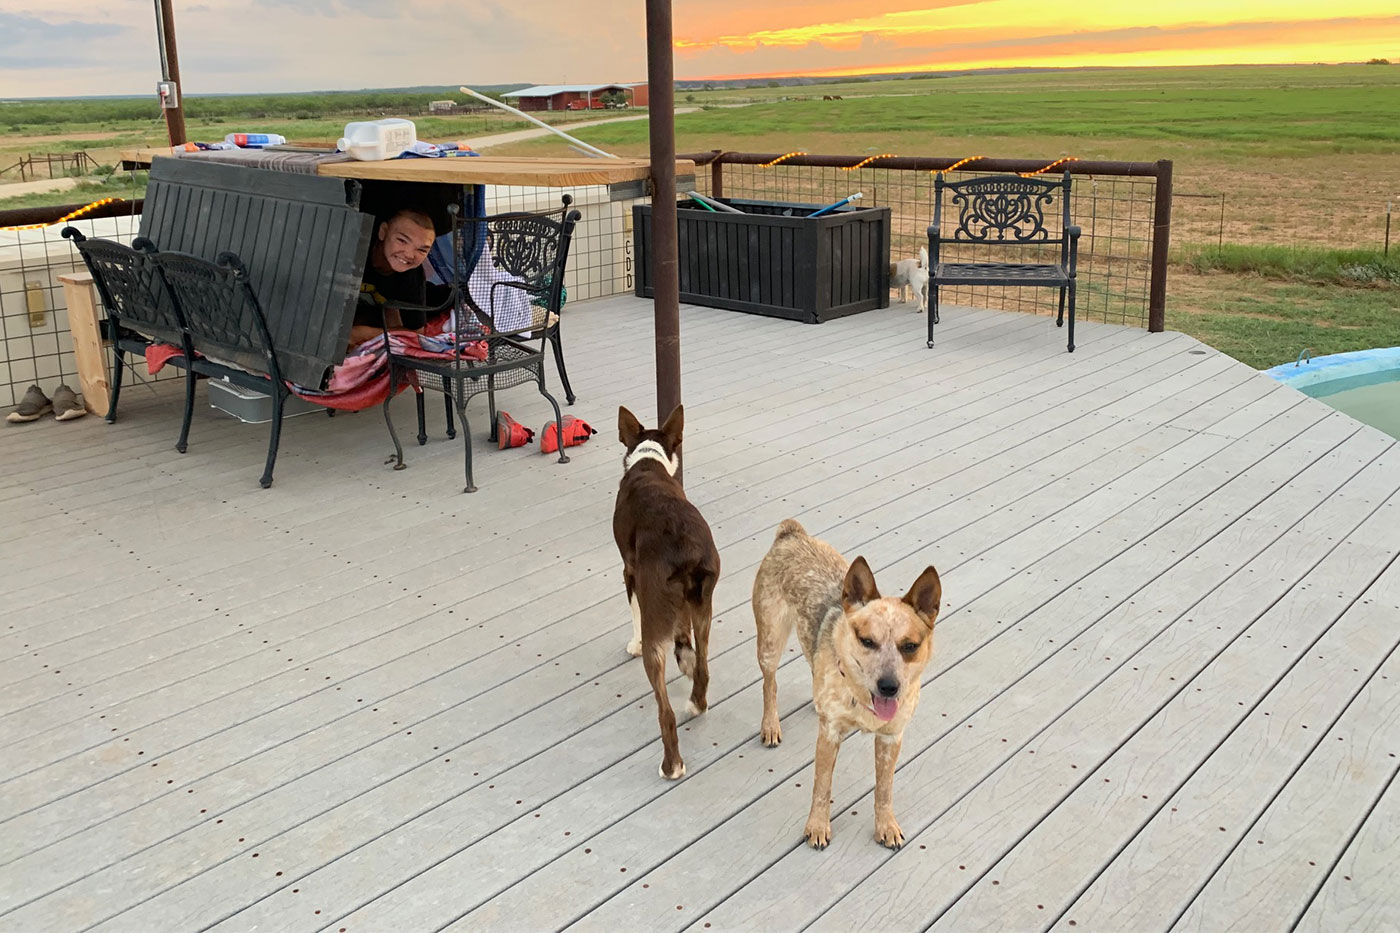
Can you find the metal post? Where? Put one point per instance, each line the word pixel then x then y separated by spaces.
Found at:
pixel 1161 240
pixel 664 265
pixel 717 175
pixel 1387 228
pixel 170 70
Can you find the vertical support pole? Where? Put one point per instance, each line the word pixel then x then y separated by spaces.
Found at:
pixel 1161 240
pixel 170 70
pixel 664 264
pixel 717 175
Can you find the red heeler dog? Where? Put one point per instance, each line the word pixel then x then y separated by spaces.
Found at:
pixel 670 567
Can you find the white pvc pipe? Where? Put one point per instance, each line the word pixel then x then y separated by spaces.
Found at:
pixel 520 113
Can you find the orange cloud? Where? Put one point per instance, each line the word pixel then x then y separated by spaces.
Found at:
pixel 1020 33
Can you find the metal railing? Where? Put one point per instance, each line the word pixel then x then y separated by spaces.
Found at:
pixel 1123 208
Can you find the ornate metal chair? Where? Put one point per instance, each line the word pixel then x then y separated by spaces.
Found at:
pixel 524 257
pixel 226 328
pixel 1008 210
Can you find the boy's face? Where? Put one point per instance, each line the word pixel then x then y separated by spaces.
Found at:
pixel 405 244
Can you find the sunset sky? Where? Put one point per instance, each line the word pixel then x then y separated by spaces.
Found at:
pixel 55 47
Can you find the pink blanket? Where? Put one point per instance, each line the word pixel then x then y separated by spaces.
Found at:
pixel 362 380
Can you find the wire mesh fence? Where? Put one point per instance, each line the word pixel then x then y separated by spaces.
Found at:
pixel 36 345
pixel 1116 212
pixel 599 257
pixel 1117 205
pixel 38 348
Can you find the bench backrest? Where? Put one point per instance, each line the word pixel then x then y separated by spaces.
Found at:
pixel 1004 209
pixel 222 314
pixel 302 239
pixel 125 280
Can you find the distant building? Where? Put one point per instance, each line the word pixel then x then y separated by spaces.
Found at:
pixel 441 106
pixel 577 96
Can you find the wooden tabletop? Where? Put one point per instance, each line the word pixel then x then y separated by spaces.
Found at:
pixel 475 170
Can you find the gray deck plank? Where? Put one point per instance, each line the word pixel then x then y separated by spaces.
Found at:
pixel 424 576
pixel 1233 626
pixel 1359 894
pixel 450 565
pixel 1267 879
pixel 727 667
pixel 299 669
pixel 766 528
pixel 1033 547
pixel 960 688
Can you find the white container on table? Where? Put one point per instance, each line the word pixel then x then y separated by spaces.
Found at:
pixel 375 140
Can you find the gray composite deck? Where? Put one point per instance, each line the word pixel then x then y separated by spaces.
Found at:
pixel 1164 692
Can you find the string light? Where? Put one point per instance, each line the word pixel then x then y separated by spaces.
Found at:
pixel 956 165
pixel 864 162
pixel 781 158
pixel 69 216
pixel 1049 167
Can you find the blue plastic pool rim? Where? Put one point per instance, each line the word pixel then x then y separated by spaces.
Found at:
pixel 1352 370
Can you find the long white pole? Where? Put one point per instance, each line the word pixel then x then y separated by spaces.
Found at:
pixel 520 113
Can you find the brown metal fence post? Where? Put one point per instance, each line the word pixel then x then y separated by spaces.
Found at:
pixel 717 175
pixel 1161 240
pixel 664 265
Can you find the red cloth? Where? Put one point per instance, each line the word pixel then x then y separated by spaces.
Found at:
pixel 362 381
pixel 158 354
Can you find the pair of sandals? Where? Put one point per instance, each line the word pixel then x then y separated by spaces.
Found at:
pixel 35 404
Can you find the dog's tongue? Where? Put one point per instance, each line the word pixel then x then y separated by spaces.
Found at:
pixel 884 707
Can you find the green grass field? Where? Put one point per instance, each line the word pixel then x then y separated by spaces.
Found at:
pixel 1265 158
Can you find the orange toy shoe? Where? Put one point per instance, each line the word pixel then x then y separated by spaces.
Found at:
pixel 576 431
pixel 511 433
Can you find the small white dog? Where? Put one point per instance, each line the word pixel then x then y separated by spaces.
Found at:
pixel 911 274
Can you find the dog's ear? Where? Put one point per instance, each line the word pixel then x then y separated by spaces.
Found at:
pixel 926 595
pixel 859 587
pixel 673 427
pixel 628 427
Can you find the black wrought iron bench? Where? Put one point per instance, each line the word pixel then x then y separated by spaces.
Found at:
pixel 256 284
pixel 209 311
pixel 1012 211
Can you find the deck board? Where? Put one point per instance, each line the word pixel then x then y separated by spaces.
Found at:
pixel 361 699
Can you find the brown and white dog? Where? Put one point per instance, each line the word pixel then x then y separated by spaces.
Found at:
pixel 867 653
pixel 670 566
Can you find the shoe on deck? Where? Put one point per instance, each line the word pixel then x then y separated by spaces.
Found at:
pixel 32 407
pixel 511 433
pixel 576 431
pixel 65 404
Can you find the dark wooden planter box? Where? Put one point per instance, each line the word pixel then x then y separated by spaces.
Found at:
pixel 773 260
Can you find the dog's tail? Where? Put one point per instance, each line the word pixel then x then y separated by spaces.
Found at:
pixel 923 257
pixel 699 583
pixel 789 527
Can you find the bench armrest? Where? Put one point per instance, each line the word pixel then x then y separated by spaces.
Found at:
pixel 1071 249
pixel 935 241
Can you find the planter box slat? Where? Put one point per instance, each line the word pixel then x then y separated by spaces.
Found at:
pixel 762 262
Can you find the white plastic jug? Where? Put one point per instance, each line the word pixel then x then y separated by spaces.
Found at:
pixel 373 140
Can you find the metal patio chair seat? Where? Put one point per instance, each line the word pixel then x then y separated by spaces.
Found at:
pixel 1005 210
pixel 528 255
